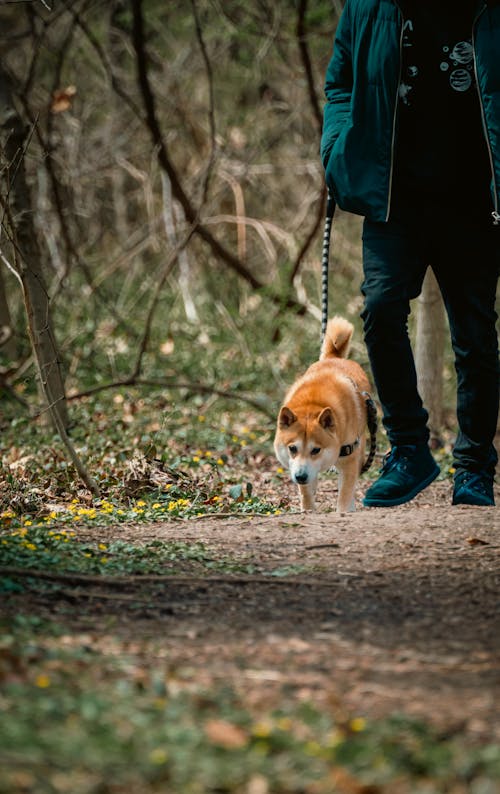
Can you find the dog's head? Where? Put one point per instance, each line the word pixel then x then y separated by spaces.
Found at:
pixel 306 442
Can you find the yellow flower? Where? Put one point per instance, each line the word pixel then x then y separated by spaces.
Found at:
pixel 28 523
pixel 357 724
pixel 158 756
pixel 30 546
pixel 156 505
pixel 201 418
pixel 220 462
pixel 280 470
pixel 103 560
pixel 261 730
pixel 313 748
pixel 102 547
pixel 196 459
pixel 42 681
pixel 140 503
pixel 208 454
pixel 452 470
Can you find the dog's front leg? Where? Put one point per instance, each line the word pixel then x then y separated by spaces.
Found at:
pixel 348 476
pixel 307 493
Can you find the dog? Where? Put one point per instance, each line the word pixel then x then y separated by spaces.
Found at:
pixel 323 420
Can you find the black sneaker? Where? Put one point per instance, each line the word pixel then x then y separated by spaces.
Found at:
pixel 406 471
pixel 473 488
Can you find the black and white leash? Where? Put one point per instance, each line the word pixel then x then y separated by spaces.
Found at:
pixel 371 409
pixel 325 258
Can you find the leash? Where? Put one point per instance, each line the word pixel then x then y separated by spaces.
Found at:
pixel 371 409
pixel 325 258
pixel 372 422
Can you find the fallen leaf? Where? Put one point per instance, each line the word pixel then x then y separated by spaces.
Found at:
pixel 62 99
pixel 477 542
pixel 225 734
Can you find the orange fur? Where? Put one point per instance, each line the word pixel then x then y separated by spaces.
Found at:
pixel 325 410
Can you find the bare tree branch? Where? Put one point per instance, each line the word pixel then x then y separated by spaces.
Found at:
pixel 192 216
pixel 312 234
pixel 166 383
pixel 167 269
pixel 211 98
pixel 306 63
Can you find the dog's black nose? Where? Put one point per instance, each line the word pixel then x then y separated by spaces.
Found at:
pixel 301 478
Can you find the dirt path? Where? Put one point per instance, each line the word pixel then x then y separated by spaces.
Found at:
pixel 377 612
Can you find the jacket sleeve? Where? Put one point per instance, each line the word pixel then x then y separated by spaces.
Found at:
pixel 338 86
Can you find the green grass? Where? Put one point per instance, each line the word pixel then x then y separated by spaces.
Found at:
pixel 59 550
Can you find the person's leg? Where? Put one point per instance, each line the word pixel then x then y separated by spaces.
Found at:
pixel 394 268
pixel 393 275
pixel 467 264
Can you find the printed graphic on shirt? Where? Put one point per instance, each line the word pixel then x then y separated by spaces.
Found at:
pixel 457 61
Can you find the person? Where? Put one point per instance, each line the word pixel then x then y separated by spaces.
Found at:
pixel 411 141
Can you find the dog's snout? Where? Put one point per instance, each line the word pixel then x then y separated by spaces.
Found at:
pixel 301 477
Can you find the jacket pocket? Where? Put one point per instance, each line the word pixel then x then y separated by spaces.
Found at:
pixel 336 172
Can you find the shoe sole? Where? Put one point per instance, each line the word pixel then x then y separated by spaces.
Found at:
pixel 488 503
pixel 401 500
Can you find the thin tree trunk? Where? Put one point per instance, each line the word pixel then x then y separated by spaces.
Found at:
pixel 8 347
pixel 17 210
pixel 429 354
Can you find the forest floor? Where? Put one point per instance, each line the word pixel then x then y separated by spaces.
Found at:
pixel 372 613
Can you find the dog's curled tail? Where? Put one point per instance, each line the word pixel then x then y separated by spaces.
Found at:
pixel 337 338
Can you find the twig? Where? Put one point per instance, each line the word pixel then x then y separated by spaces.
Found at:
pixel 306 62
pixel 211 111
pixel 137 579
pixel 312 234
pixel 173 384
pixel 167 269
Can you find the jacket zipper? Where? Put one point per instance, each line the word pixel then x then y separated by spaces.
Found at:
pixel 393 140
pixel 495 214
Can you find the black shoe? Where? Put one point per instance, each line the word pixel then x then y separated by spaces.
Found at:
pixel 406 471
pixel 473 488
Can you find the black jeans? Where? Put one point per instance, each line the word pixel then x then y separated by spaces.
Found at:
pixel 465 257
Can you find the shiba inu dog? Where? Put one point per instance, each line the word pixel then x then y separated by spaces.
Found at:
pixel 323 420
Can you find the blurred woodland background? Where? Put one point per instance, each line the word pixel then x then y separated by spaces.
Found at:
pixel 164 159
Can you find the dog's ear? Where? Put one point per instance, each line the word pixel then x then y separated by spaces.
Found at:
pixel 286 417
pixel 326 419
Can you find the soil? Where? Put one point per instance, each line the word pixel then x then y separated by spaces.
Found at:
pixel 376 612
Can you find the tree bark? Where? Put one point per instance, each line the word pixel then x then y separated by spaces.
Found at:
pixel 429 354
pixel 8 347
pixel 18 223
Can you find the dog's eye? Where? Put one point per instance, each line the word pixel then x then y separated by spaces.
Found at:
pixel 292 449
pixel 315 450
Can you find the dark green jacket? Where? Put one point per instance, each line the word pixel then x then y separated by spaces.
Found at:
pixel 362 81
